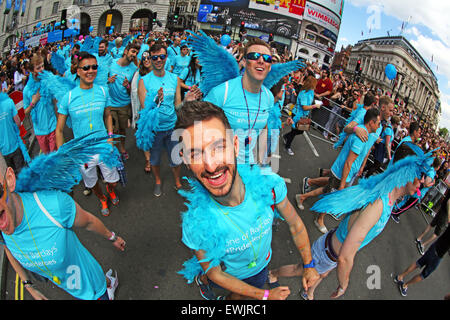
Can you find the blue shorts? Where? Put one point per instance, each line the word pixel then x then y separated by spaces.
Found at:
pixel 258 280
pixel 430 260
pixel 163 140
pixel 322 262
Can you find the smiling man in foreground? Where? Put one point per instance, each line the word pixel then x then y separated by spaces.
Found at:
pixel 230 212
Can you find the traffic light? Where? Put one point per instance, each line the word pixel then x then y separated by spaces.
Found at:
pixel 270 37
pixel 155 17
pixel 64 19
pixel 358 65
pixel 177 13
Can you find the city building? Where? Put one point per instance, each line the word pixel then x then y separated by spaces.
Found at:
pixel 308 29
pixel 416 84
pixel 23 16
pixel 340 59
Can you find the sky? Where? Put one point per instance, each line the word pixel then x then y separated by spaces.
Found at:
pixel 426 27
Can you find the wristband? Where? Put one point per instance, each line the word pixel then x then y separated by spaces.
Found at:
pixel 354 129
pixel 110 134
pixel 266 294
pixel 27 283
pixel 312 264
pixel 113 237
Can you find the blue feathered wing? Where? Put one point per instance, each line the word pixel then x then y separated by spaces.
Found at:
pixel 370 189
pixel 218 65
pixel 279 70
pixel 60 170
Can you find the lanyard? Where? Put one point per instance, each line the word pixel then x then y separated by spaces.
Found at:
pixel 248 139
pixel 252 264
pixel 90 105
pixel 48 272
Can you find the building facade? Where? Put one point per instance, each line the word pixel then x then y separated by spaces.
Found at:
pixel 340 59
pixel 415 84
pixel 125 15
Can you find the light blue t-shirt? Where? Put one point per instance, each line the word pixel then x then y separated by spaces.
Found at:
pixel 189 77
pixel 179 63
pixel 246 219
pixel 172 52
pixel 104 62
pixel 144 48
pixel 117 53
pixel 167 114
pixel 230 97
pixel 360 148
pixel 8 136
pixel 50 250
pixel 118 94
pixel 42 114
pixel 86 109
pixel 342 230
pixel 305 98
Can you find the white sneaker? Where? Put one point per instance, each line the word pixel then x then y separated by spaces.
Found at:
pixel 113 285
pixel 290 152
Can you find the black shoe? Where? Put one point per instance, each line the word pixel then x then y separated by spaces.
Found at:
pixel 396 218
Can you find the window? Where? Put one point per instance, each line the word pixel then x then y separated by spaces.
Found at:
pixel 38 13
pixel 55 7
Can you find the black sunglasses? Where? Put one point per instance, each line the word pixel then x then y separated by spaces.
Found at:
pixel 255 56
pixel 88 67
pixel 161 56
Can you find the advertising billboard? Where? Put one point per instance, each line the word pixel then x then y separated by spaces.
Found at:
pixel 335 6
pixel 220 12
pixel 322 17
pixel 290 8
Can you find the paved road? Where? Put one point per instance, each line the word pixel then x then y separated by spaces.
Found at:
pixel 151 227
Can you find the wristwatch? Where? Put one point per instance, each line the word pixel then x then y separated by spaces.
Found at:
pixel 27 283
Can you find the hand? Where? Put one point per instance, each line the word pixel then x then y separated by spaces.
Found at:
pixel 112 79
pixel 362 134
pixel 317 106
pixel 120 244
pixel 126 83
pixel 310 277
pixel 193 94
pixel 36 294
pixel 35 99
pixel 289 121
pixel 339 292
pixel 161 94
pixel 279 293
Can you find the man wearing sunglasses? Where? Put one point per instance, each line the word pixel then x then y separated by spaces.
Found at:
pixel 121 73
pixel 245 101
pixel 164 87
pixel 38 233
pixel 87 107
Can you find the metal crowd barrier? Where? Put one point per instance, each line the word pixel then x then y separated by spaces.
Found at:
pixel 434 196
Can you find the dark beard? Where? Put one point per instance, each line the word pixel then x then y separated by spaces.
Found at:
pixel 232 180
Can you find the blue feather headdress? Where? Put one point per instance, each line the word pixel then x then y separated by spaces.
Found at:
pixel 368 190
pixel 201 217
pixel 60 170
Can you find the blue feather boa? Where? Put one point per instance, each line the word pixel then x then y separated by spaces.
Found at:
pixel 201 219
pixel 147 124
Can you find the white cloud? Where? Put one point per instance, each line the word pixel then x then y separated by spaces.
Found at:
pixel 432 14
pixel 445 116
